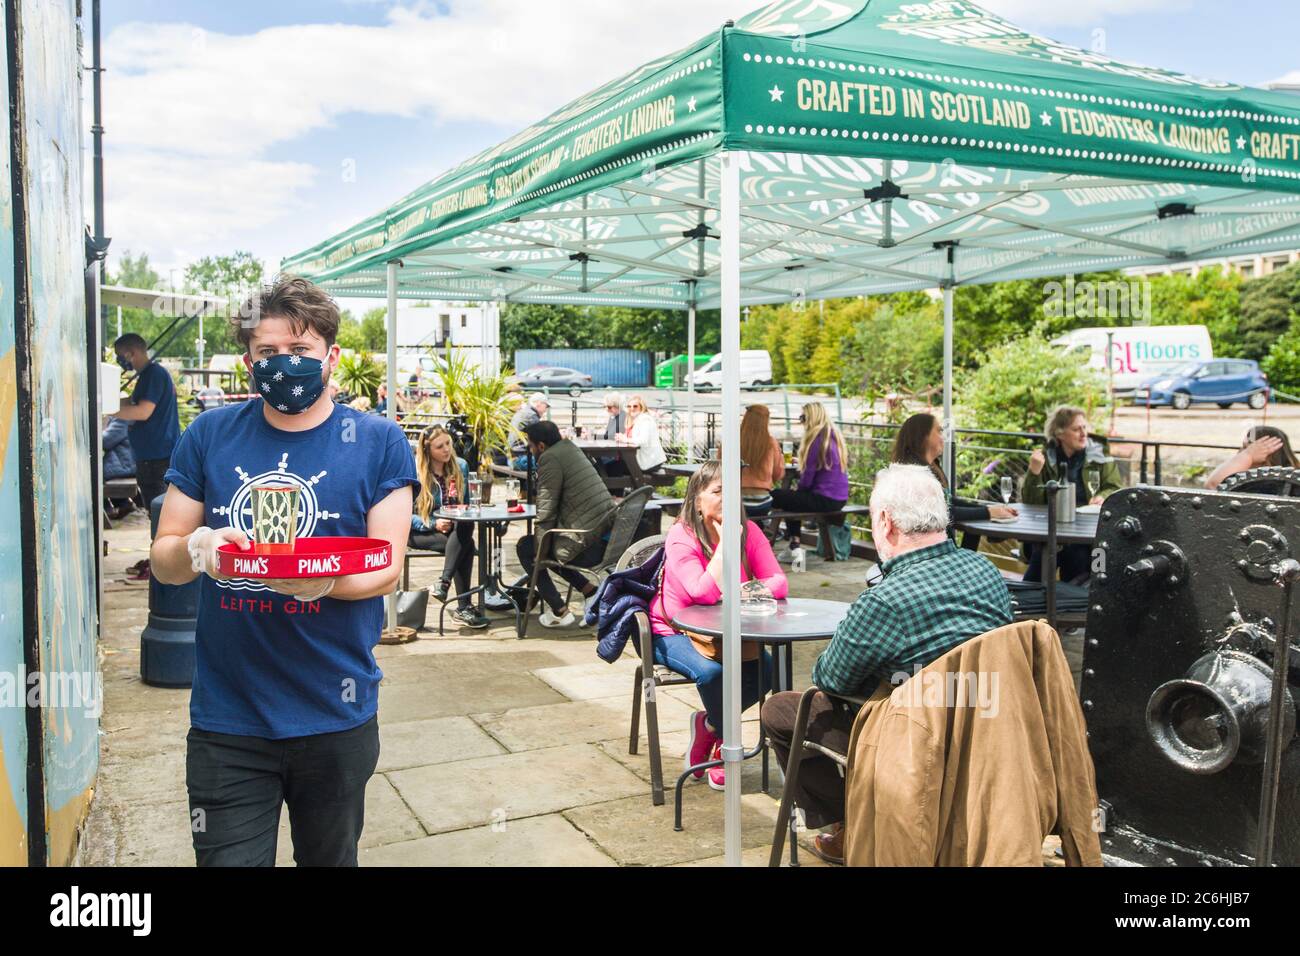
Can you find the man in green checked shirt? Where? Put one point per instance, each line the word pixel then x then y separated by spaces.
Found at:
pixel 933 596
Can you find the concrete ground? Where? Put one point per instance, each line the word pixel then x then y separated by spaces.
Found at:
pixel 494 752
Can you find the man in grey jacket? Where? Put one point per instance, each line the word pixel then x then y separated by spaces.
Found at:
pixel 529 413
pixel 570 494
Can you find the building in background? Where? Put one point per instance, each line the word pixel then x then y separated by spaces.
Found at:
pixel 1250 267
pixel 429 328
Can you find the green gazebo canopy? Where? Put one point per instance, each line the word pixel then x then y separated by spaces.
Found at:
pixel 872 134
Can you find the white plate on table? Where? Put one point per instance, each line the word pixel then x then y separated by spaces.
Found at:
pixel 1088 510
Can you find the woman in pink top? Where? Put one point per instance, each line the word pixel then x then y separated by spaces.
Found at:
pixel 693 575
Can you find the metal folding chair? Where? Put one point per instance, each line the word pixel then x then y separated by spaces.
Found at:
pixel 799 746
pixel 649 676
pixel 627 516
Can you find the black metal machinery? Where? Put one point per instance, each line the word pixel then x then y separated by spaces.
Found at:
pixel 1194 762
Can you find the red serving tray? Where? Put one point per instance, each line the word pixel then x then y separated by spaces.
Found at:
pixel 310 558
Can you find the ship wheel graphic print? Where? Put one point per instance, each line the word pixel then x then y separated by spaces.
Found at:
pixel 309 513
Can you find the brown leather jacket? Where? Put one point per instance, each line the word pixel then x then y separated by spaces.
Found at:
pixel 981 782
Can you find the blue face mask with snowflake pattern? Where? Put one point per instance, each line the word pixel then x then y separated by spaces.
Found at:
pixel 289 383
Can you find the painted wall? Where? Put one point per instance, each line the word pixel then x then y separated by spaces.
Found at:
pixel 13 733
pixel 65 507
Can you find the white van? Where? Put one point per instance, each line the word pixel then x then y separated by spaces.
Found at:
pixel 1140 351
pixel 755 369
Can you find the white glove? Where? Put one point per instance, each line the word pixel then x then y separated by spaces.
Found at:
pixel 203 544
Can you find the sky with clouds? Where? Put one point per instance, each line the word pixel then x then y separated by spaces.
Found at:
pixel 269 125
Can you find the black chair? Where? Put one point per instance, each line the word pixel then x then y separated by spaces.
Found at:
pixel 648 677
pixel 798 747
pixel 627 516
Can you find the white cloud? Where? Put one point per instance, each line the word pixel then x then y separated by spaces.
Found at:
pixel 191 114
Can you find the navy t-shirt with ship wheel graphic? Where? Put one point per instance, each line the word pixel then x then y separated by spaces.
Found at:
pixel 268 665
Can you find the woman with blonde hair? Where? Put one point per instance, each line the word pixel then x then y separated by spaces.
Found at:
pixel 643 432
pixel 762 465
pixel 443 480
pixel 824 478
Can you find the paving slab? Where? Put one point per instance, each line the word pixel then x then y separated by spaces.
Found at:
pixel 148 778
pixel 422 743
pixel 572 722
pixel 145 834
pixel 758 856
pixel 446 697
pixel 637 834
pixel 536 841
pixel 487 790
pixel 592 680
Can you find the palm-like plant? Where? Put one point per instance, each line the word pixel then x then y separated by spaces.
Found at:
pixel 485 401
pixel 360 375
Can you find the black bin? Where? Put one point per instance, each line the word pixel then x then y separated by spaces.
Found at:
pixel 167 642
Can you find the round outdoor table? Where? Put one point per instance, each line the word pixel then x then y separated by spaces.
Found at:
pixel 1031 525
pixel 492 521
pixel 795 620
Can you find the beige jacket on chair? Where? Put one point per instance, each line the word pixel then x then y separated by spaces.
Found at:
pixel 981 783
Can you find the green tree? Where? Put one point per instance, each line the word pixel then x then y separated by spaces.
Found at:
pixel 374 330
pixel 1017 384
pixel 134 272
pixel 1266 306
pixel 801 341
pixel 893 344
pixel 827 361
pixel 528 326
pixel 350 336
pixel 1211 298
pixel 1282 364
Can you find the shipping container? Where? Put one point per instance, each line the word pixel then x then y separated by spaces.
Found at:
pixel 608 368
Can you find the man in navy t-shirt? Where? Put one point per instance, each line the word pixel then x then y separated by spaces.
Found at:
pixel 155 425
pixel 286 688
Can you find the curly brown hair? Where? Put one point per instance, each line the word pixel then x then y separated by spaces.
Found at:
pixel 303 303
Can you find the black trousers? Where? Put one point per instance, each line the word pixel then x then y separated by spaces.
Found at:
pixel 526 551
pixel 149 476
pixel 1073 562
pixel 237 786
pixel 820 789
pixel 795 500
pixel 460 551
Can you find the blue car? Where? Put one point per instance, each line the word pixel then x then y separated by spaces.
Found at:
pixel 1222 381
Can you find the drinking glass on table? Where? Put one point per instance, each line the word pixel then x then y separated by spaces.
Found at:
pixel 1008 488
pixel 475 495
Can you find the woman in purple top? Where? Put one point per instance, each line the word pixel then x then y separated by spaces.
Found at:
pixel 824 483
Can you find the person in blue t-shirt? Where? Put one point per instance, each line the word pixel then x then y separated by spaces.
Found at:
pixel 155 423
pixel 286 688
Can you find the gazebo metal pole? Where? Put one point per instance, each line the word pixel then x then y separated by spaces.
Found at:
pixel 733 750
pixel 949 428
pixel 390 602
pixel 690 381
